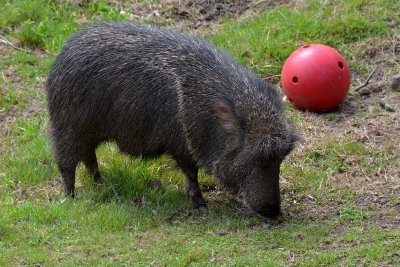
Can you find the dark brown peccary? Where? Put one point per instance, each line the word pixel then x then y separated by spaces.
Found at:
pixel 154 91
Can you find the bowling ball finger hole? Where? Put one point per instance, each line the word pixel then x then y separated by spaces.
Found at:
pixel 295 79
pixel 340 64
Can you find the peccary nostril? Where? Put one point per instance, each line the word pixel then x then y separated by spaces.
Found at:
pixel 270 211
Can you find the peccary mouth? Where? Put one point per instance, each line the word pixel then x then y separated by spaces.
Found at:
pixel 267 212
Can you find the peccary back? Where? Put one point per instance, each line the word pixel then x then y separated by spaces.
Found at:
pixel 153 91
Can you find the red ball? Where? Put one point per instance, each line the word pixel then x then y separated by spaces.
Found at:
pixel 315 77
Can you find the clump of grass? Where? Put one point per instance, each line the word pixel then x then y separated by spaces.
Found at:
pixel 32 162
pixel 47 24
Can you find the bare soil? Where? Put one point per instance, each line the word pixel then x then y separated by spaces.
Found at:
pixel 196 15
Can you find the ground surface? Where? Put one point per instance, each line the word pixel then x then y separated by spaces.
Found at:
pixel 340 187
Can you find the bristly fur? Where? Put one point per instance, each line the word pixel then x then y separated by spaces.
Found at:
pixel 153 91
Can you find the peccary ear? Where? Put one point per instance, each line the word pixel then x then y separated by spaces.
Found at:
pixel 229 121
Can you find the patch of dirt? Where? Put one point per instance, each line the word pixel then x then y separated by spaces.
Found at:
pixel 11 81
pixel 386 220
pixel 49 191
pixel 386 213
pixel 191 15
pixel 208 12
pixel 307 208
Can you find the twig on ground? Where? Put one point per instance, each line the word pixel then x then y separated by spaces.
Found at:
pixel 396 44
pixel 259 2
pixel 386 107
pixel 7 42
pixel 366 81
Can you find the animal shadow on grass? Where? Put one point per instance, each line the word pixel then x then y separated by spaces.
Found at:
pixel 124 186
pixel 162 199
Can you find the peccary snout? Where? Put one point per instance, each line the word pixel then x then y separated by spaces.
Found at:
pixel 251 163
pixel 263 196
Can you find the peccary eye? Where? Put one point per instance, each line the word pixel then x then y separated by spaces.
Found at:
pixel 287 151
pixel 262 161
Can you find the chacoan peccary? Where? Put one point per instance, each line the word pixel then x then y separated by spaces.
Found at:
pixel 153 91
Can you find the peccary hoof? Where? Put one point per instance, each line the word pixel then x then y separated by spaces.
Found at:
pixel 97 178
pixel 69 193
pixel 201 205
pixel 200 209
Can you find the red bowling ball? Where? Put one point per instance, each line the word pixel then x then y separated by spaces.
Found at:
pixel 315 77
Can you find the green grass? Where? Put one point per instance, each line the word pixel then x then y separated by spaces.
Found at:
pixel 47 24
pixel 266 41
pixel 126 221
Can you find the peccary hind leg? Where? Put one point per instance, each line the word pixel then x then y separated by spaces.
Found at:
pixel 67 162
pixel 68 179
pixel 90 162
pixel 192 184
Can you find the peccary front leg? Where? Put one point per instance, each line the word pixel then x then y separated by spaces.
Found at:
pixel 192 184
pixel 90 162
